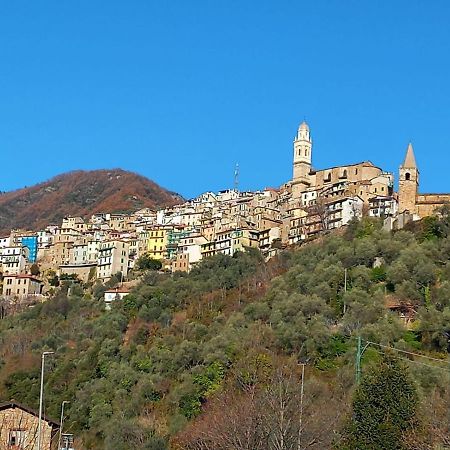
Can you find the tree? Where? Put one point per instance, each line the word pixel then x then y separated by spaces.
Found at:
pixel 34 270
pixel 319 213
pixel 146 262
pixel 260 416
pixel 384 408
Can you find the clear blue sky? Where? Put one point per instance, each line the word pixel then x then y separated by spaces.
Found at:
pixel 180 91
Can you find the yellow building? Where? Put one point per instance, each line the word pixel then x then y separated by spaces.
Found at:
pixel 157 242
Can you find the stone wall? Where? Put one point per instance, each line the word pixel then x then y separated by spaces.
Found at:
pixel 427 203
pixel 23 425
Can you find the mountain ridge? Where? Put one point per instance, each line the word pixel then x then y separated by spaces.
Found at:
pixel 81 193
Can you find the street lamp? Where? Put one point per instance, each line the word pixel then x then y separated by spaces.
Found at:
pixel 65 402
pixel 41 396
pixel 302 391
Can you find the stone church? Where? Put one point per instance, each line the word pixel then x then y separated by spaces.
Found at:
pixel 363 179
pixel 409 199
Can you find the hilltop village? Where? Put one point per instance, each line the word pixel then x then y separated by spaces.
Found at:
pixel 179 237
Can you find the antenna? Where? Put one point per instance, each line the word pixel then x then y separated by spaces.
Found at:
pixel 236 177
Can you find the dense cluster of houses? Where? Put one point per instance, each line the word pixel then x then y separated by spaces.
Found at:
pixel 226 222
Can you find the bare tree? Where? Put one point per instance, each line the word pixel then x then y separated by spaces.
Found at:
pixel 268 417
pixel 318 215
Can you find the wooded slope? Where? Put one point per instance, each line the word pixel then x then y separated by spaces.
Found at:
pixel 80 193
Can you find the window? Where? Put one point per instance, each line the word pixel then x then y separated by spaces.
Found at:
pixel 407 176
pixel 17 438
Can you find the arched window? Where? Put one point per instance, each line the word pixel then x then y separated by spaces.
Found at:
pixel 407 176
pixel 344 173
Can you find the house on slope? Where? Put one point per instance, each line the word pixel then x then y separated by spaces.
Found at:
pixel 19 428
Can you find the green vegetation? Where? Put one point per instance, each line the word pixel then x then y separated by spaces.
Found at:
pixel 146 262
pixel 384 408
pixel 188 360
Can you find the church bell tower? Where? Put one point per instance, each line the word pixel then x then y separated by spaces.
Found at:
pixel 408 183
pixel 302 160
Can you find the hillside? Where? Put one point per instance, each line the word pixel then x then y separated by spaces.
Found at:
pixel 210 359
pixel 80 193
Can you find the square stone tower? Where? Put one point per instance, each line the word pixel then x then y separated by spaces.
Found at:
pixel 408 183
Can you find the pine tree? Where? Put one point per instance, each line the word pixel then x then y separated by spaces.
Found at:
pixel 384 408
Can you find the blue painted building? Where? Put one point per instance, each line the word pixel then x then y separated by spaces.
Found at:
pixel 31 243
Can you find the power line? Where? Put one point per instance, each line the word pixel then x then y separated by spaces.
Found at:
pixel 413 361
pixel 409 353
pixel 360 351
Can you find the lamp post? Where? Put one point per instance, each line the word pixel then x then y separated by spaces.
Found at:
pixel 300 425
pixel 65 402
pixel 41 396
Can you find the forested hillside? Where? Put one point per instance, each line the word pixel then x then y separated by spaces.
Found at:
pixel 213 359
pixel 80 193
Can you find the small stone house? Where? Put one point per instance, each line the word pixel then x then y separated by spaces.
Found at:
pixel 19 428
pixel 21 286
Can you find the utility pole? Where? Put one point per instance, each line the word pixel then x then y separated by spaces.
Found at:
pixel 345 288
pixel 300 425
pixel 358 361
pixel 41 397
pixel 65 402
pixel 359 353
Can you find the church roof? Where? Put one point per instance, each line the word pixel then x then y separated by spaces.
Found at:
pixel 410 160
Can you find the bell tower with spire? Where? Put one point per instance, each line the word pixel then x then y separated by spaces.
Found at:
pixel 408 183
pixel 302 160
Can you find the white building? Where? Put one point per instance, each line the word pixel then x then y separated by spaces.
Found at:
pixel 113 257
pixel 383 206
pixel 5 241
pixel 114 294
pixel 14 259
pixel 341 211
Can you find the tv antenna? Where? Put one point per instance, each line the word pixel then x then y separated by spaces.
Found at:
pixel 236 177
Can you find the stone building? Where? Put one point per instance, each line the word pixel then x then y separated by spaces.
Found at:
pixel 363 179
pixel 409 199
pixel 21 286
pixel 19 428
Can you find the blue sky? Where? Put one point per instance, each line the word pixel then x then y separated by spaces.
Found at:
pixel 180 91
